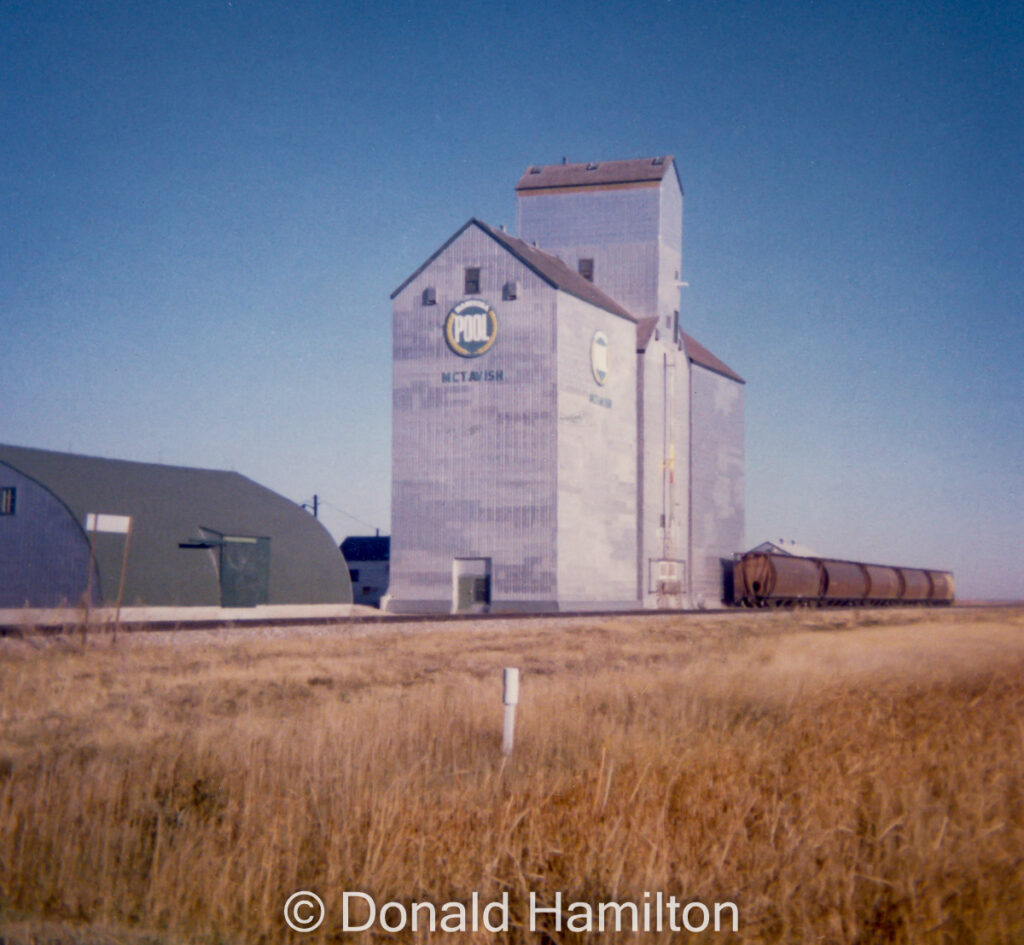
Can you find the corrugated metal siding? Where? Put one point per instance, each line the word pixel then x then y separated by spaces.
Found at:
pixel 45 556
pixel 539 473
pixel 474 463
pixel 666 450
pixel 618 229
pixel 670 245
pixel 169 504
pixel 596 459
pixel 717 480
pixel 633 235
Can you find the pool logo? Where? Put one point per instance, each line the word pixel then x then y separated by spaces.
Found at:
pixel 471 328
pixel 599 357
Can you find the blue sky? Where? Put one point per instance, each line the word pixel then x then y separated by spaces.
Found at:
pixel 205 206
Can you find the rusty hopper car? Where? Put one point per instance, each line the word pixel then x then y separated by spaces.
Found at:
pixel 765 579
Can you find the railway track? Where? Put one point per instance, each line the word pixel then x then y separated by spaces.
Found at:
pixel 25 625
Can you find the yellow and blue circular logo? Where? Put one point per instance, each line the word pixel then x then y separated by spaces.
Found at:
pixel 599 357
pixel 471 328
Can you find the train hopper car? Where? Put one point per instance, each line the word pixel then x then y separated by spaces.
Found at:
pixel 767 579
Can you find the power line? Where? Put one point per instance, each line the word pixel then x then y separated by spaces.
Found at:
pixel 354 518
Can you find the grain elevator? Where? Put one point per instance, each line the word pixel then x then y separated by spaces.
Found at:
pixel 559 443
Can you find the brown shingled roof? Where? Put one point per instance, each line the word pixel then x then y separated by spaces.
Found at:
pixel 698 354
pixel 550 268
pixel 695 351
pixel 598 173
pixel 644 330
pixel 555 272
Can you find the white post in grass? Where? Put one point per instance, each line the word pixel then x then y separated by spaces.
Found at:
pixel 510 696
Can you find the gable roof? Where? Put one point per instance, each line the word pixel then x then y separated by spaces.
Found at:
pixel 549 268
pixel 698 354
pixel 637 171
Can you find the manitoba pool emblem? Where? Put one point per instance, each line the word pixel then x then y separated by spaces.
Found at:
pixel 599 357
pixel 471 328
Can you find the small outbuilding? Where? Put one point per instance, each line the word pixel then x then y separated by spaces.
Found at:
pixel 79 529
pixel 369 567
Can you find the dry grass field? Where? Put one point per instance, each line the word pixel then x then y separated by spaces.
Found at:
pixel 841 777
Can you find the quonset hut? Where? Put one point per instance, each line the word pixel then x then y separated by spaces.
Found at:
pixel 559 442
pixel 194 537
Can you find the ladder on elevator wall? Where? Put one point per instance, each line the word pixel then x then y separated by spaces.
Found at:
pixel 669 585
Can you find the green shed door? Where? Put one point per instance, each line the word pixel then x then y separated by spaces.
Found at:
pixel 244 571
pixel 474 593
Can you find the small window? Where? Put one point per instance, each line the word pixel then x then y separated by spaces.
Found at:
pixel 8 500
pixel 587 269
pixel 472 281
pixel 510 292
pixel 353 574
pixel 430 295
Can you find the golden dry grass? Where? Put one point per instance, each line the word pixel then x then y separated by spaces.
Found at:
pixel 843 777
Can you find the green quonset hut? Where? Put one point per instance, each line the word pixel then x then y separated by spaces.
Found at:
pixel 194 537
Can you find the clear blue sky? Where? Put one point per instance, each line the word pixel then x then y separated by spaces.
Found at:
pixel 205 206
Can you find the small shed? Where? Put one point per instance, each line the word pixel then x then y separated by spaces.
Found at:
pixel 369 567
